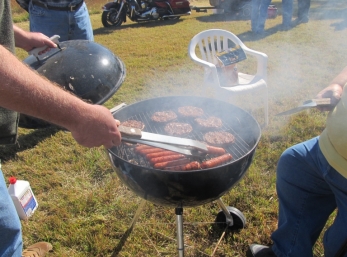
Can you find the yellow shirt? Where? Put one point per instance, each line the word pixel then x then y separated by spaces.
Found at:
pixel 333 140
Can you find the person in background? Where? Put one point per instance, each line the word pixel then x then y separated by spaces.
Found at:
pixel 259 15
pixel 67 18
pixel 311 184
pixel 24 90
pixel 303 9
pixel 287 14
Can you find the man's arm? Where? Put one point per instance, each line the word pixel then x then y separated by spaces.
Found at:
pixel 25 91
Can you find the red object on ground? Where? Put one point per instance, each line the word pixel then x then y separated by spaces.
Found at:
pixel 271 12
pixel 12 180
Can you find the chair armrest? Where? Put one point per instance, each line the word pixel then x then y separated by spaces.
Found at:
pixel 261 61
pixel 208 67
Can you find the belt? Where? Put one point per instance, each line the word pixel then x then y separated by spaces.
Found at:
pixel 70 8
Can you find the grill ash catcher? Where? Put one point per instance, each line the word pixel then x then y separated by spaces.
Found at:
pixel 181 189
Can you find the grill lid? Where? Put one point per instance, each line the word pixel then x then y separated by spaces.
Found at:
pixel 85 68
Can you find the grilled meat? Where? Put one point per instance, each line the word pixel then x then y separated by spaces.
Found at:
pixel 164 116
pixel 190 111
pixel 209 123
pixel 178 129
pixel 219 138
pixel 133 124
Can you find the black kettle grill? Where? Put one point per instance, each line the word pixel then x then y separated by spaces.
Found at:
pixel 191 188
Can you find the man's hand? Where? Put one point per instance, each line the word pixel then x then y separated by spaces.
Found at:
pixel 333 92
pixel 96 127
pixel 30 40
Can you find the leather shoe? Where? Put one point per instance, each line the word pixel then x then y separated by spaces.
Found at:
pixel 39 249
pixel 256 250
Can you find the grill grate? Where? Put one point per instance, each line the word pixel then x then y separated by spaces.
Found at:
pixel 126 152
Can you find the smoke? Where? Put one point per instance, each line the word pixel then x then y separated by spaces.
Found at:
pixel 301 62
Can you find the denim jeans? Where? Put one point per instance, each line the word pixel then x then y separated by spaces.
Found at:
pixel 10 227
pixel 259 14
pixel 68 25
pixel 303 9
pixel 309 190
pixel 287 12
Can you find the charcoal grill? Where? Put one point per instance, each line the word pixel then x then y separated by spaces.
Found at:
pixel 181 189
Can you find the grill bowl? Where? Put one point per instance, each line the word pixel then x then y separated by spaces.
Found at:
pixel 186 188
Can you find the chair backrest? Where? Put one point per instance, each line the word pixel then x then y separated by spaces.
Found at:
pixel 212 41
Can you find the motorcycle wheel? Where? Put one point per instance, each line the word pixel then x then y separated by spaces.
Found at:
pixel 108 18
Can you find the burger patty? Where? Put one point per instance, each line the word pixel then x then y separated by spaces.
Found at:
pixel 133 124
pixel 219 138
pixel 190 111
pixel 164 116
pixel 177 128
pixel 209 123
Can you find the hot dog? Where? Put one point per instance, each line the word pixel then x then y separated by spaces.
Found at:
pixel 149 150
pixel 160 154
pixel 162 165
pixel 215 150
pixel 190 166
pixel 216 161
pixel 138 147
pixel 166 158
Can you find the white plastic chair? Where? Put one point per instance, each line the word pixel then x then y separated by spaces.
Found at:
pixel 211 41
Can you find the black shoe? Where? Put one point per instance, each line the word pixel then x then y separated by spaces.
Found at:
pixel 286 27
pixel 256 250
pixel 304 19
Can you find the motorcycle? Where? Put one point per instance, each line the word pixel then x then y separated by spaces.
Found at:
pixel 116 12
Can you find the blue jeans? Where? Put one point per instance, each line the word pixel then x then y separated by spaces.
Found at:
pixel 259 14
pixel 10 227
pixel 287 12
pixel 303 9
pixel 68 25
pixel 309 190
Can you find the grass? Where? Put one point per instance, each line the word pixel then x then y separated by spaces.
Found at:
pixel 84 210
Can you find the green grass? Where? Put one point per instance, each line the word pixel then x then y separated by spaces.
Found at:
pixel 84 210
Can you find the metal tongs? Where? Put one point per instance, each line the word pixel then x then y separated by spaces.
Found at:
pixel 181 145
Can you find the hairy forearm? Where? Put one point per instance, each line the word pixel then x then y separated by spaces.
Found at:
pixel 34 95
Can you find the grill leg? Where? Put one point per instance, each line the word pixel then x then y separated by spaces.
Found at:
pixel 179 222
pixel 138 212
pixel 229 218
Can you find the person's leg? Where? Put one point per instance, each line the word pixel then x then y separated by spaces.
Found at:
pixel 263 13
pixel 80 25
pixel 336 234
pixel 10 227
pixel 255 15
pixel 303 9
pixel 305 199
pixel 287 12
pixel 49 22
